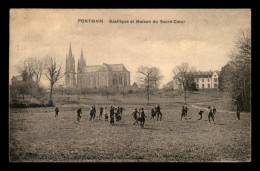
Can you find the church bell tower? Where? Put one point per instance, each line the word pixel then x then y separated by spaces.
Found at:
pixel 81 64
pixel 70 74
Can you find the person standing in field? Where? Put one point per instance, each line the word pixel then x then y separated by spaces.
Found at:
pixel 56 112
pixel 112 121
pixel 135 116
pixel 101 112
pixel 142 117
pixel 238 113
pixel 79 111
pixel 91 113
pixel 117 114
pixel 210 114
pixel 183 113
pixel 94 112
pixel 152 113
pixel 186 111
pixel 121 110
pixel 158 112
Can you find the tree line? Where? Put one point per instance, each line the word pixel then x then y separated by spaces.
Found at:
pixel 31 71
pixel 235 76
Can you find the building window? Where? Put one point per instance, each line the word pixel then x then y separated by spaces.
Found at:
pixel 215 80
pixel 120 79
pixel 197 80
pixel 208 79
pixel 202 85
pixel 202 80
pixel 208 85
pixel 125 80
pixel 115 80
pixel 215 85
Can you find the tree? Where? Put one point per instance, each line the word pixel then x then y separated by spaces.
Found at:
pixel 235 77
pixel 53 72
pixel 38 66
pixel 149 78
pixel 183 74
pixel 32 68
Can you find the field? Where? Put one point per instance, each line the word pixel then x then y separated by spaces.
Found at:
pixel 36 135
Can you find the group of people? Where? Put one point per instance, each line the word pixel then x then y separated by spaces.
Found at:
pixel 211 113
pixel 210 110
pixel 115 113
pixel 139 115
pixel 156 111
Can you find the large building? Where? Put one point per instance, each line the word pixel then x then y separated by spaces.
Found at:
pixel 112 76
pixel 203 79
pixel 206 79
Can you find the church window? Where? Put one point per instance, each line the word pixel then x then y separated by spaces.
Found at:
pixel 120 79
pixel 125 80
pixel 115 79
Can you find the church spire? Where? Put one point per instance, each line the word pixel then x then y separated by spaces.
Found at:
pixel 82 61
pixel 70 52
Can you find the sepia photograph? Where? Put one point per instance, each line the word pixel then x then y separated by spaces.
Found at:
pixel 130 85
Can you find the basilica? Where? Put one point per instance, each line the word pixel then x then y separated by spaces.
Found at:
pixel 111 76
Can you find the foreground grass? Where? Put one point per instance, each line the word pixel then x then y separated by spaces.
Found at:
pixel 36 135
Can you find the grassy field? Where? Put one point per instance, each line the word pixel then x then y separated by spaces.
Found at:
pixel 36 135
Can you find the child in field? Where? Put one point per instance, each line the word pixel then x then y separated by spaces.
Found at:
pixel 142 117
pixel 214 110
pixel 183 113
pixel 238 113
pixel 112 121
pixel 158 112
pixel 94 112
pixel 106 115
pixel 186 111
pixel 152 113
pixel 91 113
pixel 79 111
pixel 211 115
pixel 135 116
pixel 56 112
pixel 101 112
pixel 200 113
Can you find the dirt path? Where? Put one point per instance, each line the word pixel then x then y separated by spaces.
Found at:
pixel 223 111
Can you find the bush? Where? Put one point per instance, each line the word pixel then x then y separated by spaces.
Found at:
pixel 50 104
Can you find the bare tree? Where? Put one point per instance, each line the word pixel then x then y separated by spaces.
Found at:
pixel 182 73
pixel 53 72
pixel 38 66
pixel 149 78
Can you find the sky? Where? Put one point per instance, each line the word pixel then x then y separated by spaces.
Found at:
pixel 204 39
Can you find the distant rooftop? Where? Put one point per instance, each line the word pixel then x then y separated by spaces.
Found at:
pixel 204 73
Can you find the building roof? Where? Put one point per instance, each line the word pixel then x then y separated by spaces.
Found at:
pixel 203 74
pixel 105 67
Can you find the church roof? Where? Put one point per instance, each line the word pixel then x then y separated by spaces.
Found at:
pixel 117 67
pixel 104 67
pixel 93 68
